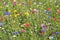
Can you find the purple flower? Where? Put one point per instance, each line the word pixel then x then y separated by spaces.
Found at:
pixel 7 13
pixel 57 32
pixel 16 32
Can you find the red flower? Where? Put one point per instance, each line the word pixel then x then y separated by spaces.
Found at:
pixel 58 12
pixel 54 18
pixel 27 24
pixel 42 32
pixel 1 18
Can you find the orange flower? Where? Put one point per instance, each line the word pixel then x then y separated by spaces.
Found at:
pixel 27 24
pixel 49 8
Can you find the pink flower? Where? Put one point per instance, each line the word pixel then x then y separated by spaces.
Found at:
pixel 22 30
pixel 42 25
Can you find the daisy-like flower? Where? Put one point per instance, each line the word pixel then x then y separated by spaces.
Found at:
pixel 14 36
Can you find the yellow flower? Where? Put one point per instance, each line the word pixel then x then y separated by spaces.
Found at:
pixel 15 11
pixel 0 6
pixel 15 15
pixel 27 13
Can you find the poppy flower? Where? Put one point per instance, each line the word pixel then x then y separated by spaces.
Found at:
pixel 1 18
pixel 27 24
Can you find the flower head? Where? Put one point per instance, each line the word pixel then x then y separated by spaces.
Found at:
pixel 16 32
pixel 7 13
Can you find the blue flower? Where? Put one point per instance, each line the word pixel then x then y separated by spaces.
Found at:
pixel 1 24
pixel 7 13
pixel 57 32
pixel 16 32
